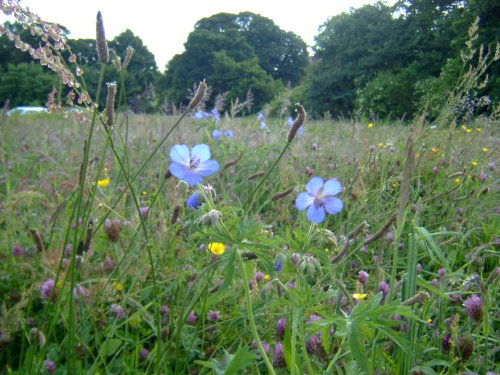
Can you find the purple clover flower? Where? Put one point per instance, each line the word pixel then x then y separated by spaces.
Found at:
pixel 46 289
pixel 49 365
pixel 363 277
pixel 191 319
pixel 384 288
pixel 474 307
pixel 117 311
pixel 279 355
pixel 280 329
pixel 259 276
pixel 194 200
pixel 17 251
pixel 320 196
pixel 213 315
pixel 216 134
pixel 192 165
pixel 143 354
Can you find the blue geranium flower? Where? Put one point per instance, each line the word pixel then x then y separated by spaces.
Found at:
pixel 263 125
pixel 199 115
pixel 228 134
pixel 195 200
pixel 192 165
pixel 320 196
pixel 216 134
pixel 260 116
pixel 216 115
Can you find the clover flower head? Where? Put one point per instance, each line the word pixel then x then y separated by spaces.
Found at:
pixel 191 319
pixel 192 165
pixel 46 289
pixel 49 365
pixel 216 134
pixel 363 277
pixel 474 307
pixel 213 315
pixel 320 197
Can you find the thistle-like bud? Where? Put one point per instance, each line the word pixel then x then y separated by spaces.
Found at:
pixel 175 214
pixel 102 45
pixel 37 239
pixel 128 56
pixel 110 104
pixel 200 92
pixel 301 116
pixel 310 266
pixel 112 229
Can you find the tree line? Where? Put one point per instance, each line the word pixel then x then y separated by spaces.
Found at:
pixel 378 60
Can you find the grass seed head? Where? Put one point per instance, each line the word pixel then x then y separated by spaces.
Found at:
pixel 102 45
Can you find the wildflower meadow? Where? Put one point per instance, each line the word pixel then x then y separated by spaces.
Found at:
pixel 203 242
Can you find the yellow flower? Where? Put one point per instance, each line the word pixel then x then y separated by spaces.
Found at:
pixel 486 149
pixel 394 185
pixel 118 286
pixel 429 321
pixel 359 296
pixel 380 145
pixel 266 277
pixel 370 125
pixel 457 180
pixel 479 130
pixel 144 193
pixel 474 163
pixel 103 183
pixel 434 149
pixel 468 130
pixel 216 248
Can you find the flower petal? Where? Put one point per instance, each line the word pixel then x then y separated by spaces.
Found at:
pixel 303 201
pixel 314 185
pixel 206 168
pixel 200 152
pixel 316 213
pixel 192 178
pixel 193 201
pixel 332 187
pixel 180 154
pixel 178 170
pixel 333 205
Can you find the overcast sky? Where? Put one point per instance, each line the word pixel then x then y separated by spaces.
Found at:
pixel 165 25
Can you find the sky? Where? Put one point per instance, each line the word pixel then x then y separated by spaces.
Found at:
pixel 164 27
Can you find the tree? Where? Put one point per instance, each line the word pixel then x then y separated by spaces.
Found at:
pixel 26 84
pixel 350 49
pixel 247 39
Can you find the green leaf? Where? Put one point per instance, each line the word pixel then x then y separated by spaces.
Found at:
pixel 111 346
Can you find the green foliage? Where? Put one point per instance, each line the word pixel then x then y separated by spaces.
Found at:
pixel 389 94
pixel 267 52
pixel 26 84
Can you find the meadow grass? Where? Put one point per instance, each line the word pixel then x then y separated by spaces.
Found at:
pixel 386 285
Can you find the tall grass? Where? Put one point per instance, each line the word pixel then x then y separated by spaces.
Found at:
pixel 148 292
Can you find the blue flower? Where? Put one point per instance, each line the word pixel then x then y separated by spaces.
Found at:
pixel 216 134
pixel 228 134
pixel 290 121
pixel 263 125
pixel 320 196
pixel 194 200
pixel 199 115
pixel 192 165
pixel 260 116
pixel 216 115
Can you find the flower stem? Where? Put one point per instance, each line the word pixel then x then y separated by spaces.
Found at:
pixel 251 319
pixel 249 199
